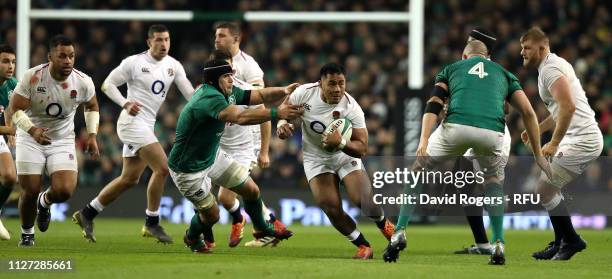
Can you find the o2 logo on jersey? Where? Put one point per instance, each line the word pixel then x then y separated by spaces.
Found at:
pixel 318 127
pixel 54 110
pixel 158 87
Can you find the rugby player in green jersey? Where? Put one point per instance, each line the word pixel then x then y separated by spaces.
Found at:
pixel 477 89
pixel 196 162
pixel 8 175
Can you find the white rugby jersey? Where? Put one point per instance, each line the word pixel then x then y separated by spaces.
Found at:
pixel 318 114
pixel 247 69
pixel 148 81
pixel 53 103
pixel 237 136
pixel 552 68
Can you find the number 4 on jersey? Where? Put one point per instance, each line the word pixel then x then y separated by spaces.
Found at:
pixel 478 70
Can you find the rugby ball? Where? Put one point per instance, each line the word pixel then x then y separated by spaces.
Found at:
pixel 344 126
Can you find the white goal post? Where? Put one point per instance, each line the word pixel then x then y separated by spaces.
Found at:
pixel 414 18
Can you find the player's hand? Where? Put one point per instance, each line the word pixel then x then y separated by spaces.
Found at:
pixel 331 140
pixel 40 135
pixel 263 160
pixel 525 137
pixel 289 88
pixel 289 112
pixel 285 131
pixel 422 149
pixel 544 165
pixel 549 150
pixel 92 147
pixel 11 141
pixel 132 107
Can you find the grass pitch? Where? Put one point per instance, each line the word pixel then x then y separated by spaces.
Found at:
pixel 313 252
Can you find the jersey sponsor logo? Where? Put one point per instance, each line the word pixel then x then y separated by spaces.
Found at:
pixel 145 70
pixel 318 127
pixel 130 147
pixel 54 110
pixel 171 72
pixel 158 87
pixel 70 157
pixel 41 89
pixel 73 94
pixel 306 106
pixel 198 193
pixel 354 163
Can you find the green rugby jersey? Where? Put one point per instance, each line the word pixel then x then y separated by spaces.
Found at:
pixel 6 89
pixel 478 88
pixel 199 129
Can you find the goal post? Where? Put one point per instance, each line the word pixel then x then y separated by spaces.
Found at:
pixel 414 17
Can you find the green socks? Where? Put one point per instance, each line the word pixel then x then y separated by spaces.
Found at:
pixel 255 211
pixel 407 209
pixel 496 211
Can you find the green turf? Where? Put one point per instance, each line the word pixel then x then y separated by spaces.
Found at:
pixel 313 252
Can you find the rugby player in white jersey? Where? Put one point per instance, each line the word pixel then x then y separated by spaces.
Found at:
pixel 43 108
pixel 324 101
pixel 576 139
pixel 228 37
pixel 149 76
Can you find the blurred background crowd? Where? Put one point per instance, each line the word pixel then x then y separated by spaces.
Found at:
pixel 374 54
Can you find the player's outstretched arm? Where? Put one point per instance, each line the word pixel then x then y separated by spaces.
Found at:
pixel 92 121
pixel 236 115
pixel 271 96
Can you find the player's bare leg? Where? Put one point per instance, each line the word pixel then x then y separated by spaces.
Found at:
pixel 8 178
pixel 155 157
pixel 359 190
pixel 133 167
pixel 30 188
pixel 326 193
pixel 63 183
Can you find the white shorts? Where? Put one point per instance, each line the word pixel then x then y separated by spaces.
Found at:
pixel 195 186
pixel 134 133
pixel 507 144
pixel 340 164
pixel 3 145
pixel 244 157
pixel 573 156
pixel 32 158
pixel 451 139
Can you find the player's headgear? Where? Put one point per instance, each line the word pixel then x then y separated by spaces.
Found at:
pixel 213 70
pixel 484 36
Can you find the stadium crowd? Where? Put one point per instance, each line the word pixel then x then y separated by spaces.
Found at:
pixel 374 55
